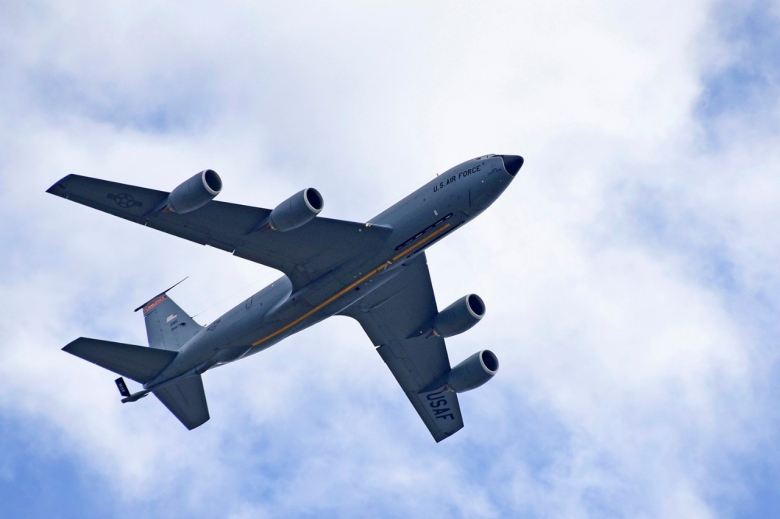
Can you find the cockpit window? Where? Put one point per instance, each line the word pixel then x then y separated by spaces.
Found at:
pixel 483 157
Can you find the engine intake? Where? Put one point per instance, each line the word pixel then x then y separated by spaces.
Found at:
pixel 196 192
pixel 473 372
pixel 459 316
pixel 297 210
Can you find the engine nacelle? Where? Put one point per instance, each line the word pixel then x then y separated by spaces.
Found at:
pixel 297 210
pixel 196 192
pixel 473 372
pixel 459 316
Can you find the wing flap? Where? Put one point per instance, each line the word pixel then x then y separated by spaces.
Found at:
pixel 186 399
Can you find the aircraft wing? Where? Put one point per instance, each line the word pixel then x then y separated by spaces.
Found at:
pixel 303 254
pixel 397 317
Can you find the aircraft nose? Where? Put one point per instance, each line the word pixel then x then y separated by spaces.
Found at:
pixel 512 163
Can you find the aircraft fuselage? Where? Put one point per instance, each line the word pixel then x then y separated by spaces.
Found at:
pixel 276 312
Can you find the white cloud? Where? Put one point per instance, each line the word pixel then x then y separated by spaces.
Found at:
pixel 631 377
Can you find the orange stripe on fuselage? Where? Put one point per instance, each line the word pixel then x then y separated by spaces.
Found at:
pixel 328 301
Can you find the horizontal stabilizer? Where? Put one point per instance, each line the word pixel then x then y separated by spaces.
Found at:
pixel 186 399
pixel 138 363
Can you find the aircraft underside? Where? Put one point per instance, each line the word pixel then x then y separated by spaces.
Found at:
pixel 374 272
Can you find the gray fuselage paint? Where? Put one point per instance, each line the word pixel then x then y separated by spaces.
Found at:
pixel 460 194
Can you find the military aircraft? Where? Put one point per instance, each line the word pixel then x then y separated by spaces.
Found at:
pixel 375 272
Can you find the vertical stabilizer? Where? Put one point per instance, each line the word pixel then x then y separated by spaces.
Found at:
pixel 167 326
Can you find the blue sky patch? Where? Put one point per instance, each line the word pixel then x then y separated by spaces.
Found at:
pixel 160 105
pixel 750 82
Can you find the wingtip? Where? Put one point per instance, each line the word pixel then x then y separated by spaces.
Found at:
pixel 68 348
pixel 439 437
pixel 196 425
pixel 444 435
pixel 59 188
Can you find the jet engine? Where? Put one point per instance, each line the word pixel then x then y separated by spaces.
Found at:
pixel 297 210
pixel 459 316
pixel 473 372
pixel 196 192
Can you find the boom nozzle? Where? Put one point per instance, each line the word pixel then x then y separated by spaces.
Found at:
pixel 135 396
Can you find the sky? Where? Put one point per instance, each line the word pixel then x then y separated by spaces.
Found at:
pixel 630 270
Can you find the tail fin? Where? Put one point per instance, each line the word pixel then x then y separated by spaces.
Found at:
pixel 168 327
pixel 138 363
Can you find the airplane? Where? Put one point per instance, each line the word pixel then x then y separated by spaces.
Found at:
pixel 375 272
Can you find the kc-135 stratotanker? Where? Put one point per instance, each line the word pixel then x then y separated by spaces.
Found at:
pixel 375 272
